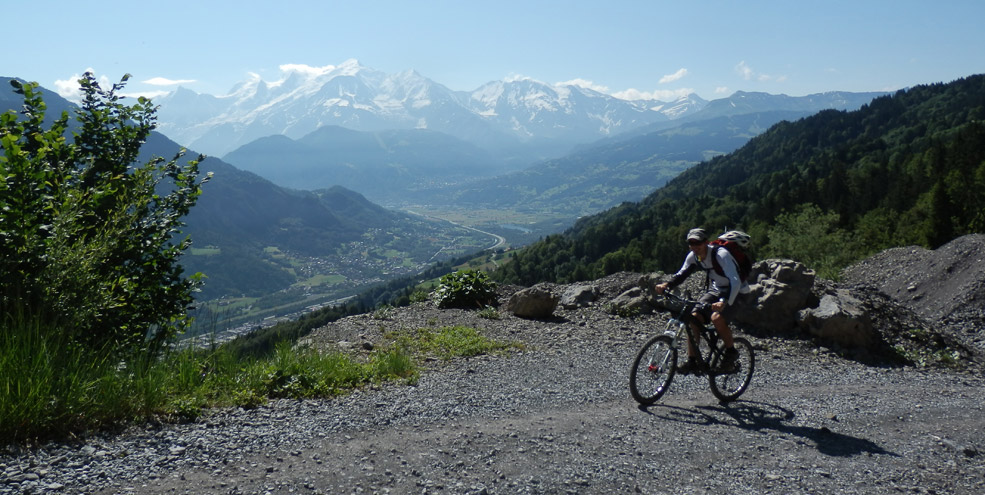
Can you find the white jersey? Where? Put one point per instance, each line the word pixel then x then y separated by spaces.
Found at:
pixel 730 282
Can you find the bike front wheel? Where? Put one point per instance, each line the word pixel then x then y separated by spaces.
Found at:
pixel 728 386
pixel 653 370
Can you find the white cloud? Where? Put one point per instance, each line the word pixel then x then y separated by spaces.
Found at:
pixel 517 77
pixel 161 81
pixel 583 83
pixel 69 88
pixel 306 69
pixel 749 74
pixel 673 77
pixel 660 94
pixel 744 70
pixel 721 90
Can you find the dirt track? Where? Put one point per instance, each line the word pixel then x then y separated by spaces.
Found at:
pixel 809 424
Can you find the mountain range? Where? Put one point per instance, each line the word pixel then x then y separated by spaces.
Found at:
pixel 508 117
pixel 402 138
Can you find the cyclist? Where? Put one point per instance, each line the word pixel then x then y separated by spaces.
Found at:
pixel 719 303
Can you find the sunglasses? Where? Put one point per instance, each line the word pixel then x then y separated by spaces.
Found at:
pixel 695 243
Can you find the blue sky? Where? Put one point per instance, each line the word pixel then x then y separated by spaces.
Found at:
pixel 651 48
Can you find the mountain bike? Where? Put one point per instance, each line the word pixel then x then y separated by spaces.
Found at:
pixel 656 363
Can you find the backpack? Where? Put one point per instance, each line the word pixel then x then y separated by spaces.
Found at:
pixel 742 259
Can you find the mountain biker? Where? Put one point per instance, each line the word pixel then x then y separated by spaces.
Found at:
pixel 721 300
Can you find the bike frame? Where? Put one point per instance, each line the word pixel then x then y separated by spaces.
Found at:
pixel 655 364
pixel 708 334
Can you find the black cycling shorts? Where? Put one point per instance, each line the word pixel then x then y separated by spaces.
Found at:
pixel 712 297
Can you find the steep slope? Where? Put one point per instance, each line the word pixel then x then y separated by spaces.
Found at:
pixel 905 169
pixel 596 178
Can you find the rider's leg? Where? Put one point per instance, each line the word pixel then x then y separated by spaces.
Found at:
pixel 724 331
pixel 695 329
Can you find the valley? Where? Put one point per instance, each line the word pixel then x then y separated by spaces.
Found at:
pixel 382 255
pixel 320 281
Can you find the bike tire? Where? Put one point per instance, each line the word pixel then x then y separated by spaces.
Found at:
pixel 727 387
pixel 653 370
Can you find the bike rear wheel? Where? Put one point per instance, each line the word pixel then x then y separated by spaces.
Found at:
pixel 653 370
pixel 729 386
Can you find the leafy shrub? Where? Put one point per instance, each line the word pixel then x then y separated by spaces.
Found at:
pixel 465 289
pixel 418 296
pixel 88 237
pixel 812 236
pixel 384 312
pixel 489 313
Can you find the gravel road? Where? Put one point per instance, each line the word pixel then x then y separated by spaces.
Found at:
pixel 556 417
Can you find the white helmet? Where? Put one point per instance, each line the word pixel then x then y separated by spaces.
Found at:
pixel 737 236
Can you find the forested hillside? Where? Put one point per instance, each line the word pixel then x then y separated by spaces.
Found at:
pixel 907 169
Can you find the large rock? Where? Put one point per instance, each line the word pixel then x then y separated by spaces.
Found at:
pixel 779 290
pixel 579 296
pixel 534 302
pixel 840 319
pixel 634 301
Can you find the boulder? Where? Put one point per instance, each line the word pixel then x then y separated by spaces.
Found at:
pixel 840 318
pixel 533 302
pixel 779 289
pixel 579 296
pixel 632 302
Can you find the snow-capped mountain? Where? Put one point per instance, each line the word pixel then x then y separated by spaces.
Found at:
pixel 530 110
pixel 682 106
pixel 498 115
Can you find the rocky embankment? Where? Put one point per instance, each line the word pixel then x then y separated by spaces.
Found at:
pixel 556 417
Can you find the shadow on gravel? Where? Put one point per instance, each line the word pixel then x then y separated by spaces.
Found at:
pixel 758 416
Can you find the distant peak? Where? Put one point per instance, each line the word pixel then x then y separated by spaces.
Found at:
pixel 305 70
pixel 350 64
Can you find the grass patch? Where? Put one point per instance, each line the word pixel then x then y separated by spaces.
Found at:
pixel 489 313
pixel 447 343
pixel 51 389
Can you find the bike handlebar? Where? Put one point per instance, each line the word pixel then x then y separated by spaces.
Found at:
pixel 678 303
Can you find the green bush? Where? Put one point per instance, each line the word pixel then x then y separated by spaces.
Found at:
pixel 489 313
pixel 465 289
pixel 87 237
pixel 812 237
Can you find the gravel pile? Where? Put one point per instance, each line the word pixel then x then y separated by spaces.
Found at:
pixel 555 417
pixel 945 286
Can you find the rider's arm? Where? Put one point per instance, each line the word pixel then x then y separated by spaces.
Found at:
pixel 731 269
pixel 690 266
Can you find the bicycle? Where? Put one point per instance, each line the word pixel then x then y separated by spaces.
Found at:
pixel 656 363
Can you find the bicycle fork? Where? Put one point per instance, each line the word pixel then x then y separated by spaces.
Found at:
pixel 659 363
